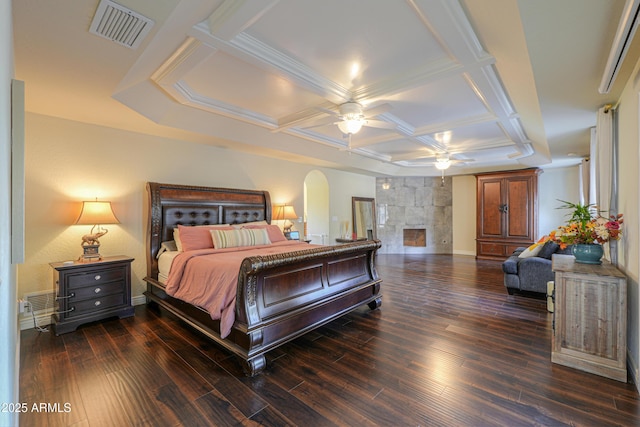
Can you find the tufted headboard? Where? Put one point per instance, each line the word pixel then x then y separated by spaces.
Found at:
pixel 172 205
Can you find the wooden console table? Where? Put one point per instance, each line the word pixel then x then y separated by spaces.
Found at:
pixel 590 317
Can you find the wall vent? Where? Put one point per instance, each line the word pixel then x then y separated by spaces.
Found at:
pixel 119 24
pixel 41 302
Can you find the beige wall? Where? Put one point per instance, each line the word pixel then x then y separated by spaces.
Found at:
pixel 628 204
pixel 67 162
pixel 464 215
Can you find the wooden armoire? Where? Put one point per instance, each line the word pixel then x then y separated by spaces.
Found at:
pixel 507 212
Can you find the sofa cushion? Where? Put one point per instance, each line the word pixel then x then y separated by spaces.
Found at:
pixel 548 249
pixel 532 250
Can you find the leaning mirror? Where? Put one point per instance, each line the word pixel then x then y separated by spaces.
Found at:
pixel 364 217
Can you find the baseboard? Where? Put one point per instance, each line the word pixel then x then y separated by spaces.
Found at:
pixel 43 319
pixel 139 300
pixel 459 252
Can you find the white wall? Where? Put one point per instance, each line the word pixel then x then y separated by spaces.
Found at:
pixel 67 162
pixel 9 337
pixel 555 184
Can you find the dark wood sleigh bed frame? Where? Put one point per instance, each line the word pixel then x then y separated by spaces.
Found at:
pixel 279 297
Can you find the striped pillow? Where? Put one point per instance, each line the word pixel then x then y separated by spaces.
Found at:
pixel 242 237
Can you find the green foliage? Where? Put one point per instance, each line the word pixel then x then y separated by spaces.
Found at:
pixel 581 214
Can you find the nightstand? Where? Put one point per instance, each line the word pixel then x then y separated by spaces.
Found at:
pixel 90 291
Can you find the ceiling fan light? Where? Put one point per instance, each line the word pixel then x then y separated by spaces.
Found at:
pixel 350 126
pixel 443 164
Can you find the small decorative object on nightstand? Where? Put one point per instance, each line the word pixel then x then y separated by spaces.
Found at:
pixel 90 291
pixel 95 214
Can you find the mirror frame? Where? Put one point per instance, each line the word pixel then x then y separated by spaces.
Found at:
pixel 354 201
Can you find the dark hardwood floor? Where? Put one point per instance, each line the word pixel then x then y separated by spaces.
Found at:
pixel 448 347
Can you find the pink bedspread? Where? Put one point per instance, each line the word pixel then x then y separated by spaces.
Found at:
pixel 208 278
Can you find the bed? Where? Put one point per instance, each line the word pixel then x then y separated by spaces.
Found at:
pixel 278 296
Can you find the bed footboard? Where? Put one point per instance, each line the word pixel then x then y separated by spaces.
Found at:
pixel 281 297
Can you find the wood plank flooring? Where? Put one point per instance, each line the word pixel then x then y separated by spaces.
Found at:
pixel 448 347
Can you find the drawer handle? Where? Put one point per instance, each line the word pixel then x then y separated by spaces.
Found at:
pixel 97 277
pixel 71 295
pixel 97 303
pixel 97 290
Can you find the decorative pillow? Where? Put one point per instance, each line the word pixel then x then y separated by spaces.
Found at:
pixel 191 238
pixel 531 251
pixel 274 232
pixel 246 224
pixel 548 249
pixel 167 246
pixel 239 237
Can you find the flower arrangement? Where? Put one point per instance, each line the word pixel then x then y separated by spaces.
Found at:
pixel 586 226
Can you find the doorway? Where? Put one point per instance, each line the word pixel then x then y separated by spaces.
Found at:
pixel 316 208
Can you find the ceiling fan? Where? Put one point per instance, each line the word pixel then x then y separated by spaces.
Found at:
pixel 352 117
pixel 443 161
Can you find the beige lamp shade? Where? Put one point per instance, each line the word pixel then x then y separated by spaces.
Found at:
pixel 284 212
pixel 94 213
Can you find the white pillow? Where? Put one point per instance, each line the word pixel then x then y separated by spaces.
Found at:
pixel 240 237
pixel 531 250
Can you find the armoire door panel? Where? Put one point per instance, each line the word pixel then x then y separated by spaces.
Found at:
pixel 519 209
pixel 492 221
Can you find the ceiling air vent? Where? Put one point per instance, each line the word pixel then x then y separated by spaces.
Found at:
pixel 119 24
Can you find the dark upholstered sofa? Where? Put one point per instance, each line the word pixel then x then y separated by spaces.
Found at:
pixel 530 274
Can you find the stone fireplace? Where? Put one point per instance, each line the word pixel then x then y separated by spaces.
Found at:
pixel 414 215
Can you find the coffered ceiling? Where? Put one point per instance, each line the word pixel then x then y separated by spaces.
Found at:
pixel 489 84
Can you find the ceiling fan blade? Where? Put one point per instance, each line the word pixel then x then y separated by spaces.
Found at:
pixel 379 124
pixel 374 111
pixel 329 120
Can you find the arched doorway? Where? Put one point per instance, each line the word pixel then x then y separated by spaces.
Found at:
pixel 316 207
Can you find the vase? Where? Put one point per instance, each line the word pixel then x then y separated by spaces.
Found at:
pixel 588 253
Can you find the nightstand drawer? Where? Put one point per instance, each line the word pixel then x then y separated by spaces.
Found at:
pixel 94 305
pixel 96 277
pixel 95 291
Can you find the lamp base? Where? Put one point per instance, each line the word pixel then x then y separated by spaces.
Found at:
pixel 90 253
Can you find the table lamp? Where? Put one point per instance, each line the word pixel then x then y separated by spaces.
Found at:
pixel 96 214
pixel 285 213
